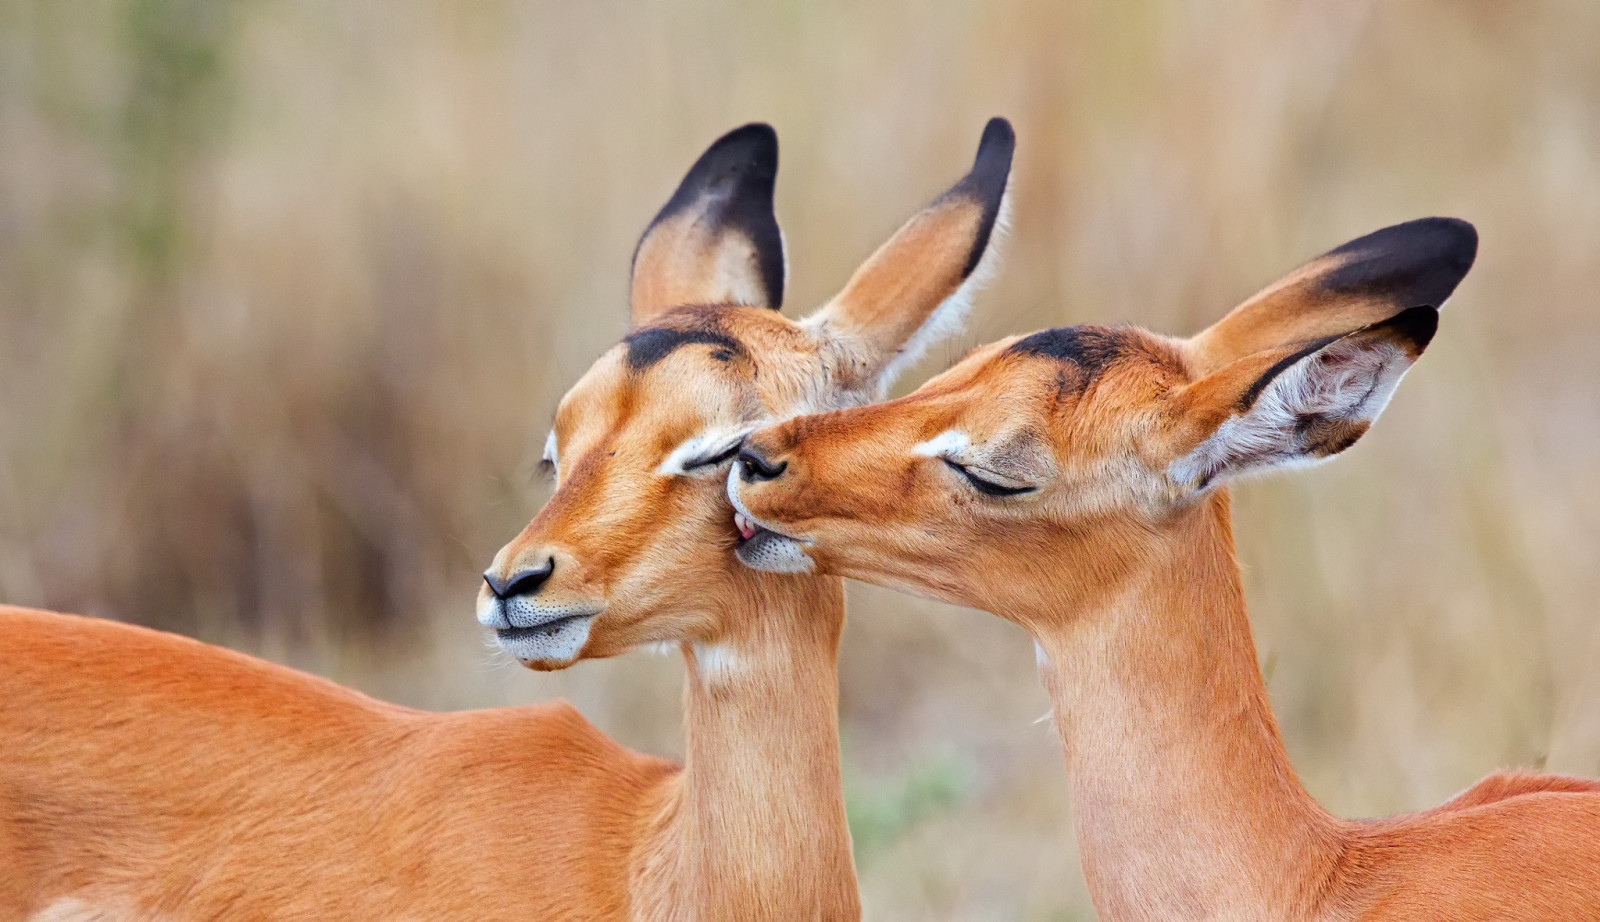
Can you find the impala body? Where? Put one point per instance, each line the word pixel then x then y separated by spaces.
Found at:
pixel 145 776
pixel 1074 482
pixel 148 777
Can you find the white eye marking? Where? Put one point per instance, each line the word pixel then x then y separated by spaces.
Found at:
pixel 550 449
pixel 944 445
pixel 949 446
pixel 694 456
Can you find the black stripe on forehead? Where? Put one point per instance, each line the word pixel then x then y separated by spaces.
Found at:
pixel 1091 348
pixel 649 346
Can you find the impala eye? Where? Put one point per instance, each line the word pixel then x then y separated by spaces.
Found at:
pixel 720 458
pixel 703 454
pixel 548 462
pixel 985 486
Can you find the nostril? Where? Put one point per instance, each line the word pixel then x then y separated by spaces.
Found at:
pixel 525 582
pixel 753 467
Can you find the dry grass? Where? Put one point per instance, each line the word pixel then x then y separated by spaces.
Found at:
pixel 289 289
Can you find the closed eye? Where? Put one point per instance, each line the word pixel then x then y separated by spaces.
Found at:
pixel 721 457
pixel 702 455
pixel 985 486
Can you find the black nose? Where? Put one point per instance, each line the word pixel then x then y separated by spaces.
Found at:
pixel 525 582
pixel 753 467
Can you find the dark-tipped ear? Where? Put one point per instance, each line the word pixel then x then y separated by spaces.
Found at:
pixel 914 290
pixel 1367 280
pixel 716 241
pixel 1294 406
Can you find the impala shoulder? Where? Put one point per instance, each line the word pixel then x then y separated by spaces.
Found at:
pixel 551 735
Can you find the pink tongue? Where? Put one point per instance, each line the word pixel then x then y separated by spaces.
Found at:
pixel 745 531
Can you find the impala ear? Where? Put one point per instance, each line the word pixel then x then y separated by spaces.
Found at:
pixel 716 241
pixel 1294 406
pixel 915 289
pixel 1367 280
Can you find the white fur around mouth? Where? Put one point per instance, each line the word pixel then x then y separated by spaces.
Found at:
pixel 747 528
pixel 556 641
pixel 762 547
pixel 550 633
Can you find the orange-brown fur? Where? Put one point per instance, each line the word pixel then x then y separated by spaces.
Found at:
pixel 198 783
pixel 1120 562
pixel 147 776
pixel 623 535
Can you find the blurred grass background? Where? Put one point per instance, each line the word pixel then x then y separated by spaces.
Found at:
pixel 288 292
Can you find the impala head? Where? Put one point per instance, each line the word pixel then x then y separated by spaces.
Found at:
pixel 635 545
pixel 1089 438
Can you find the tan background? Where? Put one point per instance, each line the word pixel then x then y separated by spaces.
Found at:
pixel 288 291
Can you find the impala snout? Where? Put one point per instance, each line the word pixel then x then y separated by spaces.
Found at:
pixel 763 545
pixel 754 467
pixel 523 582
pixel 841 487
pixel 537 607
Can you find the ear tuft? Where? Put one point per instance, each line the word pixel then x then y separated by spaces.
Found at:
pixel 986 184
pixel 1415 263
pixel 717 239
pixel 1412 329
pixel 1366 281
pixel 915 290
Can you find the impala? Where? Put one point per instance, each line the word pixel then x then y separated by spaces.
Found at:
pixel 1074 482
pixel 146 776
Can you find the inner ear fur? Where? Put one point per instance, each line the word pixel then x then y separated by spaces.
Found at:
pixel 913 290
pixel 716 241
pixel 1293 405
pixel 1365 281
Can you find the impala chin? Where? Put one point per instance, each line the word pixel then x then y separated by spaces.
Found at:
pixel 761 546
pixel 555 645
pixel 767 550
pixel 541 635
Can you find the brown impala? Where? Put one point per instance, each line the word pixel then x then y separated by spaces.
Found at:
pixel 148 777
pixel 1074 482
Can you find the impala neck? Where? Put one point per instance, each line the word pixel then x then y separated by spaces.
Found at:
pixel 1186 804
pixel 758 817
